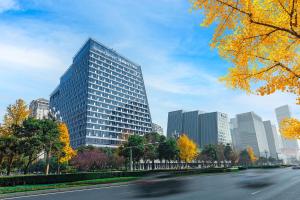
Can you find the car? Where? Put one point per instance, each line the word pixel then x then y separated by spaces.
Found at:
pixel 160 184
pixel 257 178
pixel 296 167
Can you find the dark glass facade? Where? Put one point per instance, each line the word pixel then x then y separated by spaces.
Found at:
pixel 101 97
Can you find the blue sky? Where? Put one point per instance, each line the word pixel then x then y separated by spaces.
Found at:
pixel 38 39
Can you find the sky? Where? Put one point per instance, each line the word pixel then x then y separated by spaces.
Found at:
pixel 38 39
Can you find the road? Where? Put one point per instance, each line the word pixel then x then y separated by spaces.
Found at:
pixel 209 187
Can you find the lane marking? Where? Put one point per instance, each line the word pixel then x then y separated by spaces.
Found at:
pixel 254 193
pixel 62 192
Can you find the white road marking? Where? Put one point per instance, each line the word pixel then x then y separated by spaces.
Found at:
pixel 62 192
pixel 258 191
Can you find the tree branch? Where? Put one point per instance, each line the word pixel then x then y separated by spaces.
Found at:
pixel 265 34
pixel 282 6
pixel 234 7
pixel 250 15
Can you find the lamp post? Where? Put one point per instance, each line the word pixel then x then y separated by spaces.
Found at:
pixel 266 152
pixel 130 153
pixel 130 159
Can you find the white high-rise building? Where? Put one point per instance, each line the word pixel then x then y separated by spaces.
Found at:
pixel 248 131
pixel 290 147
pixel 234 133
pixel 39 108
pixel 273 138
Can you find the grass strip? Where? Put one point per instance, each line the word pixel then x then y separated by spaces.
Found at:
pixel 26 188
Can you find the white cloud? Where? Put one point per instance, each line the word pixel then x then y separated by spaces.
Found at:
pixel 27 58
pixel 183 83
pixel 6 5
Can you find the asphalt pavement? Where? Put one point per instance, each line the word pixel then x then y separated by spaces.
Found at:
pixel 285 186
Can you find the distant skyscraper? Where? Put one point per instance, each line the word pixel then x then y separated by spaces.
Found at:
pixel 234 133
pixel 273 139
pixel 157 129
pixel 283 112
pixel 250 132
pixel 203 128
pixel 214 128
pixel 102 97
pixel 180 122
pixel 39 108
pixel 290 147
pixel 175 122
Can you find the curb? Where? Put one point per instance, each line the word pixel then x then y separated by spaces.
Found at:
pixel 69 189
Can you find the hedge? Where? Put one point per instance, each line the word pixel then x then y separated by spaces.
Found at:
pixel 63 178
pixel 261 167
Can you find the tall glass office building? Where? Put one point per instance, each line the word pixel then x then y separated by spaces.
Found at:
pixel 203 128
pixel 101 97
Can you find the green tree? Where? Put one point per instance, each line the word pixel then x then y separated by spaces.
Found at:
pixel 31 144
pixel 244 158
pixel 50 139
pixel 230 154
pixel 151 149
pixel 220 148
pixel 136 143
pixel 12 147
pixel 209 153
pixel 168 149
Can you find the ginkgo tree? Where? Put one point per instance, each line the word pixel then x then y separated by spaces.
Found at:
pixel 290 128
pixel 67 152
pixel 251 153
pixel 261 39
pixel 187 148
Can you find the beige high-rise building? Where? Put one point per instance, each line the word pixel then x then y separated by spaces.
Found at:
pixel 248 130
pixel 39 108
pixel 290 147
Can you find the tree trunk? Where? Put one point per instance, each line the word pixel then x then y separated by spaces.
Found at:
pixel 48 154
pixel 58 168
pixel 1 160
pixel 152 165
pixel 145 165
pixel 9 166
pixel 28 164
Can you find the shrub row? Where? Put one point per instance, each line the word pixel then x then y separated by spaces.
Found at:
pixel 63 178
pixel 261 167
